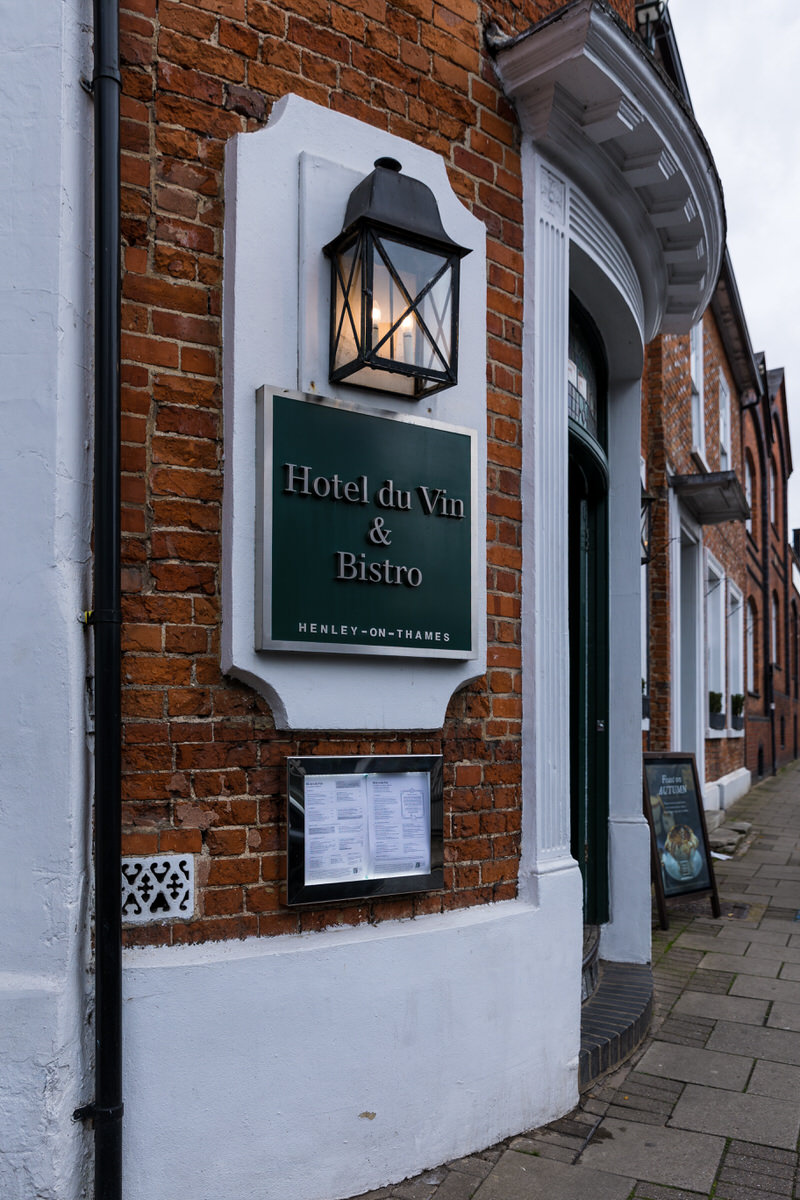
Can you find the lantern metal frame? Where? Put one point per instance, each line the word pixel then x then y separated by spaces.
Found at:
pixel 388 209
pixel 647 15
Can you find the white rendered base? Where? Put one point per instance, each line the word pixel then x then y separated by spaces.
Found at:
pixel 320 1066
pixel 733 786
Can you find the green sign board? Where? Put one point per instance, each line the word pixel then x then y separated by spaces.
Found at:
pixel 365 532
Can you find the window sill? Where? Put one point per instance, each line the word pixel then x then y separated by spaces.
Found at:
pixel 716 735
pixel 699 458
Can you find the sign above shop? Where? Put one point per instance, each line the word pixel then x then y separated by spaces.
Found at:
pixel 365 531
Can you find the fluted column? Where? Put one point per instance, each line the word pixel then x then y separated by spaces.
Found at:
pixel 545 501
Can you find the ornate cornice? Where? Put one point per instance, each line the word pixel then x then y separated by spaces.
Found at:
pixel 595 103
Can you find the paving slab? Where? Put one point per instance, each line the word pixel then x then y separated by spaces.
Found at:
pixel 779 1080
pixel 766 989
pixel 652 1191
pixel 747 895
pixel 721 1008
pixel 713 945
pixel 741 964
pixel 756 937
pixel 784 954
pixel 524 1177
pixel 659 1155
pixel 739 1115
pixel 779 925
pixel 691 1065
pixel 784 1016
pixel 790 971
pixel 777 1045
pixel 456 1187
pixel 759 1166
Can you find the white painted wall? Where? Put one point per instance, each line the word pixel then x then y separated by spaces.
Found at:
pixel 320 1066
pixel 45 302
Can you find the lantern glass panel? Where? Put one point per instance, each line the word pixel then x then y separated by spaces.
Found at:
pixel 411 305
pixel 437 314
pixel 347 304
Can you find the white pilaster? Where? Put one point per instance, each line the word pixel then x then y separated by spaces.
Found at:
pixel 545 504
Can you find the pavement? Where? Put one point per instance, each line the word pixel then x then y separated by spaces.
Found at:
pixel 709 1104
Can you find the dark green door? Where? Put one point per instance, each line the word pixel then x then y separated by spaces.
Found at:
pixel 588 618
pixel 588 644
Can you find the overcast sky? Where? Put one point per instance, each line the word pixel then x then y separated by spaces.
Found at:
pixel 741 64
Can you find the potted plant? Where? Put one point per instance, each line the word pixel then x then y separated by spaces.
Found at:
pixel 737 710
pixel 716 717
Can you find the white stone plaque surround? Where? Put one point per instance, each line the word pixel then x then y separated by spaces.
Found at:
pixel 286 189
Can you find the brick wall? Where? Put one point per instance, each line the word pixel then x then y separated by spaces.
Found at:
pixel 771 725
pixel 203 763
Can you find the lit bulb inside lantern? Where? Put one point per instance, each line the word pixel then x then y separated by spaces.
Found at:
pixel 407 326
pixel 376 316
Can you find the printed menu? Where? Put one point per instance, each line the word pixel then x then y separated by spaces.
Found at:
pixel 370 826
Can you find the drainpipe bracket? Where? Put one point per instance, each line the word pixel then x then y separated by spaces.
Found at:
pixel 101 616
pixel 98 1114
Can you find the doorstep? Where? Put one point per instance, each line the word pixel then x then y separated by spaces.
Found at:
pixel 615 1019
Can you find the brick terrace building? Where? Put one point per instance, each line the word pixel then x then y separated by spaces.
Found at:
pixel 772 602
pixel 719 604
pixel 696 578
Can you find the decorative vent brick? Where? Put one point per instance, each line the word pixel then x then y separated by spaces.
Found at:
pixel 157 888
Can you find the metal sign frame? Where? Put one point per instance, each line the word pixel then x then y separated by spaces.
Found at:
pixel 387 432
pixel 358 776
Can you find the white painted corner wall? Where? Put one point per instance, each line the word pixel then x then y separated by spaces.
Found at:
pixel 46 197
pixel 324 1065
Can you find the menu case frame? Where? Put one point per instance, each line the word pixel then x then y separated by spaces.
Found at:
pixel 415 781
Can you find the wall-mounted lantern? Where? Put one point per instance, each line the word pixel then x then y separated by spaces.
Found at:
pixel 647 526
pixel 394 289
pixel 646 17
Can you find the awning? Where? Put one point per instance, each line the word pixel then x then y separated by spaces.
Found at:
pixel 713 497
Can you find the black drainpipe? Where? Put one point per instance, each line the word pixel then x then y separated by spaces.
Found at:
pixel 106 1111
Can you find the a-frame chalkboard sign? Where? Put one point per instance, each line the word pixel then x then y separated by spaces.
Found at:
pixel 680 857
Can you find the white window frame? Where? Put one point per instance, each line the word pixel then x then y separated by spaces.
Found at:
pixel 748 490
pixel 715 633
pixel 725 456
pixel 698 397
pixel 750 645
pixel 736 617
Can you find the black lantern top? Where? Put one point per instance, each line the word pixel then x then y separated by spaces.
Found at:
pixel 397 202
pixel 394 288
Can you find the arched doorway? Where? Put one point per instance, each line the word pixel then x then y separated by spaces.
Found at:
pixel 588 610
